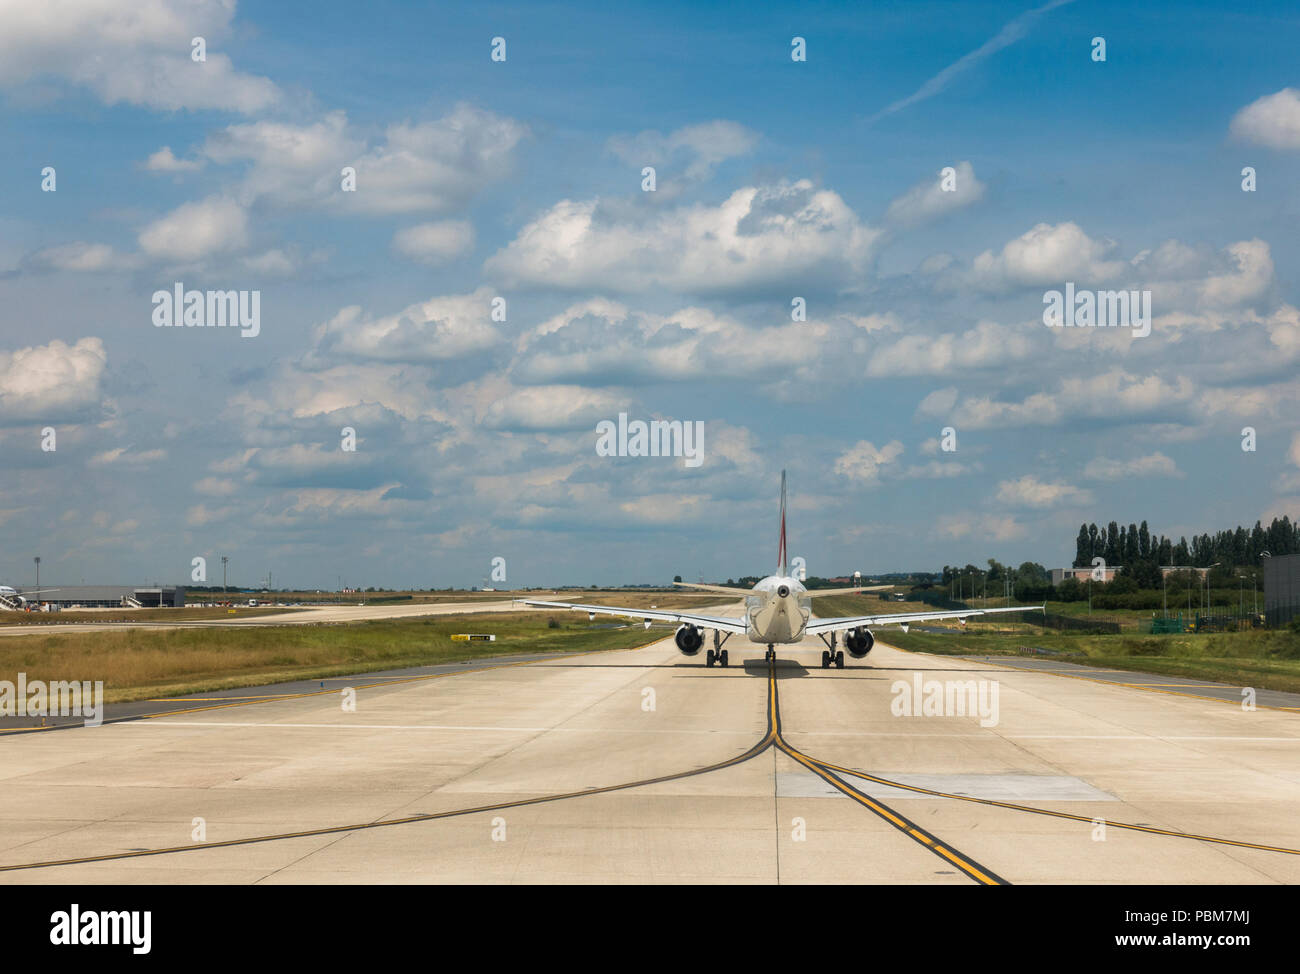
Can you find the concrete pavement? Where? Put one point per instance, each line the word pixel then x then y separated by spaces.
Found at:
pixel 669 772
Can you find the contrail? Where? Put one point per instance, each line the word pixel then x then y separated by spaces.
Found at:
pixel 1012 31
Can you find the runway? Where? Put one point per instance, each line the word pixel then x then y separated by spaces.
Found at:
pixel 644 766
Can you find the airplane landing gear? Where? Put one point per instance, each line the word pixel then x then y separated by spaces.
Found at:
pixel 720 657
pixel 771 652
pixel 829 659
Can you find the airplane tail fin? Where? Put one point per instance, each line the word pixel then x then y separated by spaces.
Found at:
pixel 781 553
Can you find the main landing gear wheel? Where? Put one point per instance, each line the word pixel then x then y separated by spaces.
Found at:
pixel 709 658
pixel 826 660
pixel 722 658
pixel 839 659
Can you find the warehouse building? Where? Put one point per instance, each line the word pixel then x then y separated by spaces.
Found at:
pixel 112 596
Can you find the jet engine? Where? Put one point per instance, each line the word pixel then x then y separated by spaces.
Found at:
pixel 859 642
pixel 689 639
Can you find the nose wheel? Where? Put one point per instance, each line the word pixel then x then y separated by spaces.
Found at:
pixel 771 653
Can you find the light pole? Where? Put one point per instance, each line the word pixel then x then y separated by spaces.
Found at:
pixel 38 578
pixel 224 559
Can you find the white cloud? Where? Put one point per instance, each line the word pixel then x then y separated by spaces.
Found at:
pixel 1151 465
pixel 927 200
pixel 1247 280
pixel 706 145
pixel 77 256
pixel 426 166
pixel 1114 396
pixel 51 381
pixel 1047 255
pixel 757 236
pixel 1029 491
pixel 1272 121
pixel 124 456
pixel 164 161
pixel 981 527
pixel 435 243
pixel 436 330
pixel 193 231
pixel 863 463
pixel 538 408
pixel 138 52
pixel 986 345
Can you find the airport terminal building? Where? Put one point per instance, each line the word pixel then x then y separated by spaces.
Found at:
pixel 113 596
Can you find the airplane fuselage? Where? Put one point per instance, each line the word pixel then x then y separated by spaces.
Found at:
pixel 777 610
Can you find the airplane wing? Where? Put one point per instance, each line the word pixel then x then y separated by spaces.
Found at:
pixel 815 592
pixel 905 619
pixel 716 588
pixel 704 622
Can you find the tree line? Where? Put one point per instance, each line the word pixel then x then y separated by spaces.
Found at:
pixel 1141 554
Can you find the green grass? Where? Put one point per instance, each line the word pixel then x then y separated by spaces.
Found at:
pixel 140 663
pixel 1262 659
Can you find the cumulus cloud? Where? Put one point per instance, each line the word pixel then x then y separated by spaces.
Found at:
pixel 437 330
pixel 137 53
pixel 602 342
pixel 51 382
pixel 1272 121
pixel 1113 396
pixel 435 243
pixel 986 345
pixel 193 231
pixel 429 166
pixel 538 408
pixel 928 200
pixel 1047 255
pixel 863 463
pixel 757 236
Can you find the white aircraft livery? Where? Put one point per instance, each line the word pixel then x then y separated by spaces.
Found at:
pixel 11 598
pixel 778 610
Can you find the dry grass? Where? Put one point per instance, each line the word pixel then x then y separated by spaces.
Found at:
pixel 138 663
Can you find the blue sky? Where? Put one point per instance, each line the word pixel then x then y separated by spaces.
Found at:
pixel 522 179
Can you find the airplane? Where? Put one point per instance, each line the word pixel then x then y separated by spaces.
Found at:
pixel 778 610
pixel 9 595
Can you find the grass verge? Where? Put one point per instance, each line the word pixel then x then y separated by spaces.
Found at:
pixel 137 664
pixel 1262 659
